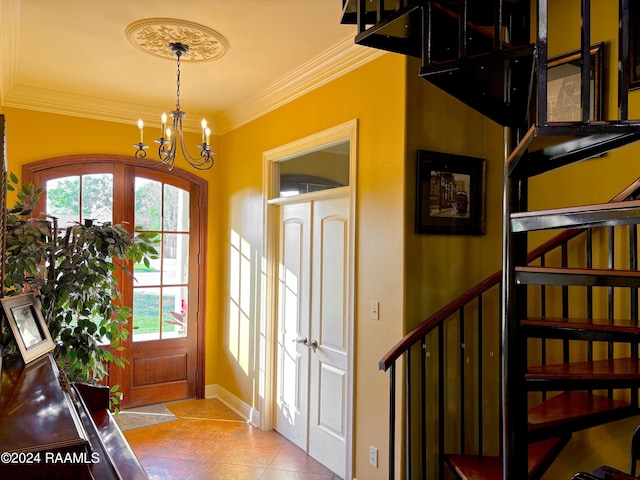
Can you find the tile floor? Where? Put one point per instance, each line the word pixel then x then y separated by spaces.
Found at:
pixel 210 442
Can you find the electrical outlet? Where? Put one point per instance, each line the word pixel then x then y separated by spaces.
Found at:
pixel 375 310
pixel 373 456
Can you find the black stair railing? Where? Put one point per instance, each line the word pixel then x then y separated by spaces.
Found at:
pixel 447 386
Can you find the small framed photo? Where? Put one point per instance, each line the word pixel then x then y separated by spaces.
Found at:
pixel 450 194
pixel 28 326
pixel 564 86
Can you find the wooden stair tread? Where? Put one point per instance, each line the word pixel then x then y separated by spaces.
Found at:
pixel 605 214
pixel 475 467
pixel 577 276
pixel 571 407
pixel 581 329
pixel 602 370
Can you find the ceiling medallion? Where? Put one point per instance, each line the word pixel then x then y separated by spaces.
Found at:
pixel 152 35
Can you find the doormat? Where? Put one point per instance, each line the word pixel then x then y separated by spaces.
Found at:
pixel 140 417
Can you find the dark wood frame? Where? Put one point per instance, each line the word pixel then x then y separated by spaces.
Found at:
pixel 27 301
pixel 573 59
pixel 435 169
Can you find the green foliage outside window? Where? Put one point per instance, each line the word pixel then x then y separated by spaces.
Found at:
pixel 71 270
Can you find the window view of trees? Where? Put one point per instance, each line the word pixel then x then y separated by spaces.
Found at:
pixel 91 194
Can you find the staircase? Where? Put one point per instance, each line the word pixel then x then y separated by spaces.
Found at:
pixel 578 383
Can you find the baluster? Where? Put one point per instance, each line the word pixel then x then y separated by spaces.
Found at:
pixel 542 56
pixel 423 405
pixel 392 420
pixel 585 80
pixel 497 25
pixel 565 300
pixel 462 30
pixel 624 64
pixel 633 296
pixel 441 406
pixel 461 379
pixel 543 314
pixel 611 291
pixel 480 378
pixel 590 290
pixel 408 416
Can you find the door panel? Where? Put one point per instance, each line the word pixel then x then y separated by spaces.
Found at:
pixel 329 321
pixel 293 322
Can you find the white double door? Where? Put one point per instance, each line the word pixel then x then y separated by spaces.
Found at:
pixel 313 320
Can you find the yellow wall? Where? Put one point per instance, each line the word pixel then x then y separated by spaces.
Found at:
pixel 374 94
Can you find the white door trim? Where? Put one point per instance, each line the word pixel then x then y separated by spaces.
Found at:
pixel 266 338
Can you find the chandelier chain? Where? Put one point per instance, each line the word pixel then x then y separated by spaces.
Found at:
pixel 178 86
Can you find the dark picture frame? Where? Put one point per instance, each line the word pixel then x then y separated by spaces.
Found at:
pixel 450 194
pixel 28 326
pixel 564 85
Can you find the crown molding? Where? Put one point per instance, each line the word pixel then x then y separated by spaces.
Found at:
pixel 334 62
pixel 64 103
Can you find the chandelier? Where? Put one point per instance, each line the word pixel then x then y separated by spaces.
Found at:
pixel 172 136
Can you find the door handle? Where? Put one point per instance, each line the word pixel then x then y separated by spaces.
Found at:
pixel 302 340
pixel 313 345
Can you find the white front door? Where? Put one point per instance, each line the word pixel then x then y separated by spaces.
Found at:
pixel 313 313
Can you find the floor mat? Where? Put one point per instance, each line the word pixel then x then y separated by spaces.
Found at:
pixel 140 417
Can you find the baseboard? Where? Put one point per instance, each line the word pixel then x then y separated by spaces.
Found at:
pixel 246 411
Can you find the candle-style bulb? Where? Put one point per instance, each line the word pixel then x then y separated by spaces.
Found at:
pixel 203 123
pixel 208 133
pixel 163 123
pixel 141 127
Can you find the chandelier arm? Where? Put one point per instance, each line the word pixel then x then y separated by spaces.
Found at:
pixel 206 156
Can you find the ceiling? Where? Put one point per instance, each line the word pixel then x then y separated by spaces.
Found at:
pixel 73 57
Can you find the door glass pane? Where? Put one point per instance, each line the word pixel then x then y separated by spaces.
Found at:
pixel 147 275
pixel 148 208
pixel 174 312
pixel 63 199
pixel 318 170
pixel 146 314
pixel 97 197
pixel 175 256
pixel 176 209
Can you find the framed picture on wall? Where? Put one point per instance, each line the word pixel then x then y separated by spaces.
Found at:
pixel 564 86
pixel 28 326
pixel 450 194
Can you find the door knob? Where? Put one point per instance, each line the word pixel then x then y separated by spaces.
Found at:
pixel 302 340
pixel 313 345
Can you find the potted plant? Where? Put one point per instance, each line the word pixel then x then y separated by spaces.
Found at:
pixel 71 271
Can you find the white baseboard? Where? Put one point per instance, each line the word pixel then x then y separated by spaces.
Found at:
pixel 246 411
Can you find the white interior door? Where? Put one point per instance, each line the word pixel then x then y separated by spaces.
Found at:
pixel 293 322
pixel 313 319
pixel 329 321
